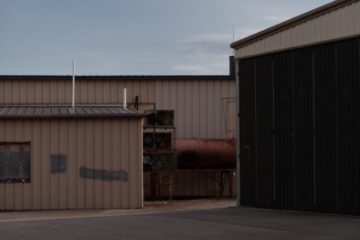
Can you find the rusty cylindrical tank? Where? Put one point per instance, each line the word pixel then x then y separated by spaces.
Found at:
pixel 206 153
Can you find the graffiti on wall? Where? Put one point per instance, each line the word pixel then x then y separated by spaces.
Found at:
pixel 58 163
pixel 105 175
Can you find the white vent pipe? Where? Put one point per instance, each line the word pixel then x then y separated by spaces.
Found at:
pixel 73 85
pixel 124 99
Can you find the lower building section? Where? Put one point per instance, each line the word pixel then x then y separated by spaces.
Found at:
pixel 191 184
pixel 71 164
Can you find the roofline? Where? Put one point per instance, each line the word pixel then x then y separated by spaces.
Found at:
pixel 118 77
pixel 77 116
pixel 291 22
pixel 134 115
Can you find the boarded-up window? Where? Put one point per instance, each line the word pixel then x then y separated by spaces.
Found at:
pixel 15 162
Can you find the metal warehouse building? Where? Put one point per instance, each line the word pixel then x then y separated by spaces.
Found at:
pixel 59 157
pixel 299 87
pixel 204 108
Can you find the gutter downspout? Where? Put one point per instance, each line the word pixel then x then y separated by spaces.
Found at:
pixel 73 86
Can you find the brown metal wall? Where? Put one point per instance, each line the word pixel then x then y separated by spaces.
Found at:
pixel 96 144
pixel 58 91
pixel 203 109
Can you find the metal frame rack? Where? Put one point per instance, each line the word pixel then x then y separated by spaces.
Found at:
pixel 159 151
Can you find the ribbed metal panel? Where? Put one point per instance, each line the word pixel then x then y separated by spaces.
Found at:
pixel 248 163
pixel 203 109
pixel 330 26
pixel 63 111
pixel 314 97
pixel 303 128
pixel 283 129
pixel 348 167
pixel 110 145
pixel 326 121
pixel 101 91
pixel 264 132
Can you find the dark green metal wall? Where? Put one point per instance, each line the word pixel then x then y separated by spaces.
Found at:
pixel 300 129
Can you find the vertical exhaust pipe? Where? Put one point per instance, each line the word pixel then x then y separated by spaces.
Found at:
pixel 73 85
pixel 124 99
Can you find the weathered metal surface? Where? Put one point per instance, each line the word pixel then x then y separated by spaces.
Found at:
pixel 206 153
pixel 14 162
pixel 204 105
pixel 330 25
pixel 103 164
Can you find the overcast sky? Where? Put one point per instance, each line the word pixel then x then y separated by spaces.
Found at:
pixel 131 37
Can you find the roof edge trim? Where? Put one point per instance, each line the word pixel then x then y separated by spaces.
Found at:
pixel 291 22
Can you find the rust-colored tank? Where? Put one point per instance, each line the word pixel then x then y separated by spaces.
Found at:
pixel 206 153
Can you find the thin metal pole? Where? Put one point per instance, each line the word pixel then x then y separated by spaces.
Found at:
pixel 73 85
pixel 124 98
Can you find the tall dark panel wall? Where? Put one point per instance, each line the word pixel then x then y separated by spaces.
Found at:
pixel 303 129
pixel 300 129
pixel 283 129
pixel 264 132
pixel 348 171
pixel 247 127
pixel 326 132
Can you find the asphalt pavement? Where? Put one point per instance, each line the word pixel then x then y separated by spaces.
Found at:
pixel 181 220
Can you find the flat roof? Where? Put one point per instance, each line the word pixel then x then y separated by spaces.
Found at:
pixel 291 22
pixel 66 112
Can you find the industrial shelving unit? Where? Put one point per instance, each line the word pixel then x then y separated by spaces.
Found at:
pixel 159 151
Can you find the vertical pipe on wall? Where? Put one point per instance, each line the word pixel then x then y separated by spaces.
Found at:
pixel 237 132
pixel 124 98
pixel 73 85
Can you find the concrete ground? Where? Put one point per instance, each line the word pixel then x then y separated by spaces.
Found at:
pixel 197 219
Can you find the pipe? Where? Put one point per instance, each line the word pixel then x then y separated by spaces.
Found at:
pixel 73 85
pixel 206 153
pixel 124 98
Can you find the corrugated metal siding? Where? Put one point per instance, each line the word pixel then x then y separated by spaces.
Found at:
pixel 315 128
pixel 247 130
pixel 333 25
pixel 24 91
pixel 264 132
pixel 203 109
pixel 283 111
pixel 96 144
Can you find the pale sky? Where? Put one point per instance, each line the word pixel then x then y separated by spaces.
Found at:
pixel 132 37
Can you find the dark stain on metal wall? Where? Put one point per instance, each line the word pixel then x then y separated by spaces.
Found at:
pixel 300 129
